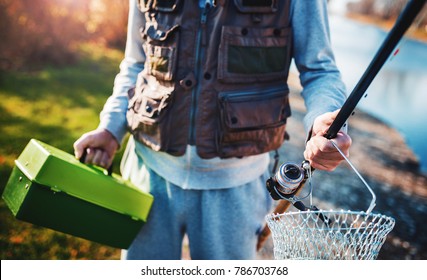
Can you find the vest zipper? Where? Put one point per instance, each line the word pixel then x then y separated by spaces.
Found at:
pixel 194 95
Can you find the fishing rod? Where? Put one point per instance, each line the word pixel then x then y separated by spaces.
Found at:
pixel 405 20
pixel 290 179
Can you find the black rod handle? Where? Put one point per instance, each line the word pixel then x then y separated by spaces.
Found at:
pixel 403 22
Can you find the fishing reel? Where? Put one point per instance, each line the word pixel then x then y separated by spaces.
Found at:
pixel 288 180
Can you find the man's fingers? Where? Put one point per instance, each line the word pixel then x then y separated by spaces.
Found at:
pixel 106 160
pixel 100 146
pixel 313 153
pixel 343 141
pixel 79 148
pixel 323 122
pixel 97 157
pixel 325 165
pixel 320 151
pixel 101 158
pixel 323 155
pixel 81 144
pixel 322 162
pixel 90 153
pixel 321 145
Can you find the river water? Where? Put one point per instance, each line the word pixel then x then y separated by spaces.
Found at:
pixel 398 94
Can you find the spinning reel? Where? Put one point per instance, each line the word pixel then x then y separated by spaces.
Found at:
pixel 288 181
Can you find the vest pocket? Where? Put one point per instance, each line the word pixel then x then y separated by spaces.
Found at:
pixel 147 115
pixel 253 54
pixel 252 122
pixel 161 47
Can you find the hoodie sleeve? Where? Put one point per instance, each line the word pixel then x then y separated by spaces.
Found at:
pixel 323 89
pixel 113 115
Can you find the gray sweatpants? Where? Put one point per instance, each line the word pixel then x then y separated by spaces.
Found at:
pixel 220 224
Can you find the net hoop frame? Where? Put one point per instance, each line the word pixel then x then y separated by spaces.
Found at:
pixel 346 234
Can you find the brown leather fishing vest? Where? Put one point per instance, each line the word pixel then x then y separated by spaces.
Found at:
pixel 213 77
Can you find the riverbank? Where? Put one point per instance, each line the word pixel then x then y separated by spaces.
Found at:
pixel 382 157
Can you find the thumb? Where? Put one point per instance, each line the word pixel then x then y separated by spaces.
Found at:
pixel 81 144
pixel 323 122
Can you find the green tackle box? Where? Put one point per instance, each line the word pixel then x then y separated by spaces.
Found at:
pixel 51 188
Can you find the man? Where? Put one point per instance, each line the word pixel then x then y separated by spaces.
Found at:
pixel 202 89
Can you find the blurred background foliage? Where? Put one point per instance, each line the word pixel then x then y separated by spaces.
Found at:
pixel 381 9
pixel 58 59
pixel 39 32
pixel 384 13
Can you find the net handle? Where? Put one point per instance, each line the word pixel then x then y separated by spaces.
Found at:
pixel 374 197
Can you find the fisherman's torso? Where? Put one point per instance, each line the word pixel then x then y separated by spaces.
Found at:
pixel 214 77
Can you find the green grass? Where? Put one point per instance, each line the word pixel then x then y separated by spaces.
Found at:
pixel 55 106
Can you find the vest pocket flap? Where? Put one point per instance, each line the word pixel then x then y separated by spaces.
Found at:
pixel 256 6
pixel 149 104
pixel 144 5
pixel 158 5
pixel 158 34
pixel 153 103
pixel 166 5
pixel 254 110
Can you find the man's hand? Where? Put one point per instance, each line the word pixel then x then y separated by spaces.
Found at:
pixel 319 150
pixel 100 146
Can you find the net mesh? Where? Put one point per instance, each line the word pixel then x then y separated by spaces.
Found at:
pixel 340 235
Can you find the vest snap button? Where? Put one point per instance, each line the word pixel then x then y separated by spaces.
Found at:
pixel 276 32
pixel 148 109
pixel 188 83
pixel 244 31
pixel 207 76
